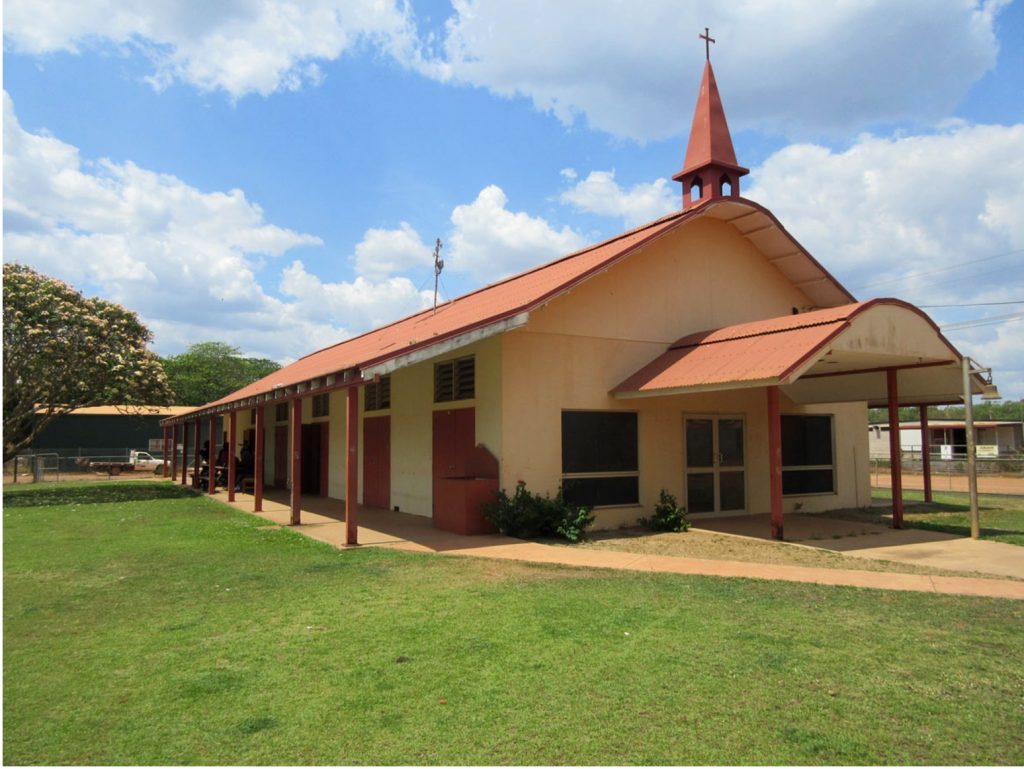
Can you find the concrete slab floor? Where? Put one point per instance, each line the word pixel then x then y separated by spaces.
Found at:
pixel 864 539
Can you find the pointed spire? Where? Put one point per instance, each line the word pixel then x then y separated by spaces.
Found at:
pixel 710 162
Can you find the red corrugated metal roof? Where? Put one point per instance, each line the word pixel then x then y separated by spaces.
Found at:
pixel 487 305
pixel 760 351
pixel 745 353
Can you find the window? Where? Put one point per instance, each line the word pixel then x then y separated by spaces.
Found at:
pixel 807 465
pixel 281 412
pixel 321 405
pixel 600 465
pixel 455 380
pixel 377 395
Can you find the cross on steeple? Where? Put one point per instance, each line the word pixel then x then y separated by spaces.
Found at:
pixel 710 170
pixel 708 40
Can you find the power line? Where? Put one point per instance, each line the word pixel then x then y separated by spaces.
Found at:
pixel 940 269
pixel 984 321
pixel 969 304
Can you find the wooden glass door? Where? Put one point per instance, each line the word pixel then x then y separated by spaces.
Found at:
pixel 715 464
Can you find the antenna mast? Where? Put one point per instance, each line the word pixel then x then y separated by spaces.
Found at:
pixel 438 266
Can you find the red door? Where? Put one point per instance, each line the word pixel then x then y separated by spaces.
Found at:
pixel 454 439
pixel 377 462
pixel 281 456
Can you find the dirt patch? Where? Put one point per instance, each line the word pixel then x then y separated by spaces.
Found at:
pixel 271 527
pixel 723 547
pixel 987 484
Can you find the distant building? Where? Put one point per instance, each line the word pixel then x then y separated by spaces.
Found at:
pixel 948 438
pixel 94 428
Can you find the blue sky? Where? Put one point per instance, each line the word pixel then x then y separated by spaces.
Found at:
pixel 273 174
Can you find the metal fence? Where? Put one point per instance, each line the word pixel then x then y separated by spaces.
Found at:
pixel 60 464
pixel 995 475
pixel 953 459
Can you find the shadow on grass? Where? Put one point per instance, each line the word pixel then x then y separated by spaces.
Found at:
pixel 93 493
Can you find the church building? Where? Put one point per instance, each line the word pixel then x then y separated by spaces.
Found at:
pixel 706 353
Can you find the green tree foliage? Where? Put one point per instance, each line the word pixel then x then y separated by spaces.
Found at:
pixel 63 351
pixel 1005 411
pixel 210 370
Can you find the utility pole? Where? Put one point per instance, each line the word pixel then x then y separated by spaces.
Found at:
pixel 438 266
pixel 972 467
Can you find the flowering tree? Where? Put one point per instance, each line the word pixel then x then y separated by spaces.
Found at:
pixel 63 351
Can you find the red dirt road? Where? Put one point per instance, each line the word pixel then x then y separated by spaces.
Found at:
pixel 987 484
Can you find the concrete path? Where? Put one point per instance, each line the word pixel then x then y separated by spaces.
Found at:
pixel 416 533
pixel 864 539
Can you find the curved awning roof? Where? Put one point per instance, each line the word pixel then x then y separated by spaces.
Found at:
pixel 826 356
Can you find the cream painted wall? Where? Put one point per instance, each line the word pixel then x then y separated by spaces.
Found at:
pixel 701 276
pixel 412 407
pixel 335 441
pixel 575 350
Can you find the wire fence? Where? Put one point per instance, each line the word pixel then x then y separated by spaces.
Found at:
pixel 77 463
pixel 995 475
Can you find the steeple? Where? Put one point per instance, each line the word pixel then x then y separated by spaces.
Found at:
pixel 710 169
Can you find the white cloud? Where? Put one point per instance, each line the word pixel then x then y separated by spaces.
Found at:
pixel 799 66
pixel 238 46
pixel 600 194
pixel 363 303
pixel 185 259
pixel 490 242
pixel 630 71
pixel 386 252
pixel 888 216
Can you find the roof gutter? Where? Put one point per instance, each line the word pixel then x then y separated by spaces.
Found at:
pixel 447 345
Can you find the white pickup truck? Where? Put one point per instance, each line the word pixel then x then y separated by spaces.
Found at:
pixel 138 460
pixel 143 460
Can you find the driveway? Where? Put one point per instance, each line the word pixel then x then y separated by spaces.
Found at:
pixel 864 539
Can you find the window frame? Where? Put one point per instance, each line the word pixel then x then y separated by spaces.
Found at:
pixel 380 400
pixel 455 393
pixel 816 467
pixel 278 409
pixel 321 406
pixel 599 474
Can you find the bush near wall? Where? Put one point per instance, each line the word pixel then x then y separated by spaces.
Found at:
pixel 531 516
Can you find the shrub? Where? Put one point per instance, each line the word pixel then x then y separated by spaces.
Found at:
pixel 531 516
pixel 668 516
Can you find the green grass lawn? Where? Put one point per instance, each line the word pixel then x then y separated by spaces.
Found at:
pixel 1001 516
pixel 143 625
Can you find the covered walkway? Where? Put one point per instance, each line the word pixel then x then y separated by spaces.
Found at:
pixel 321 520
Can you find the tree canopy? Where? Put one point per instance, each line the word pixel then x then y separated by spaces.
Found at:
pixel 63 350
pixel 1006 411
pixel 208 371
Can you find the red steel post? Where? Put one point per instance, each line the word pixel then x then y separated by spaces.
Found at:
pixel 926 452
pixel 895 452
pixel 197 459
pixel 775 460
pixel 174 453
pixel 232 425
pixel 211 483
pixel 352 466
pixel 184 452
pixel 296 518
pixel 257 481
